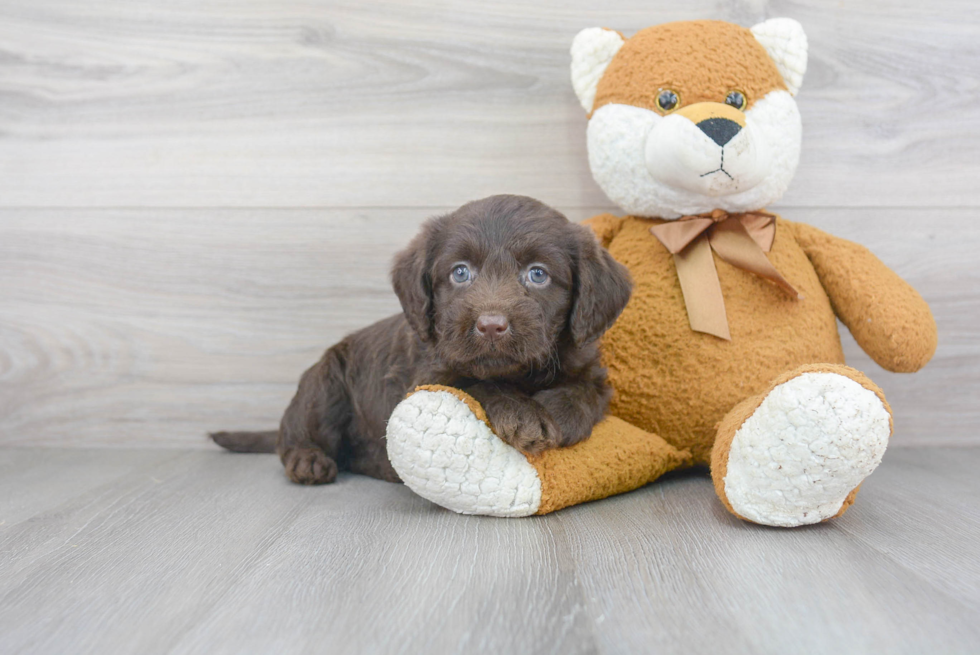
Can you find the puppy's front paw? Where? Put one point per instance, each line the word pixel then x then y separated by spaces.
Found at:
pixel 526 426
pixel 309 466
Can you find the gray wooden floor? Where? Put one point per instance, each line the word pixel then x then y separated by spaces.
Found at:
pixel 153 551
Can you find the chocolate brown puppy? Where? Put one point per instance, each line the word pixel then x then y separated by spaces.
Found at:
pixel 503 298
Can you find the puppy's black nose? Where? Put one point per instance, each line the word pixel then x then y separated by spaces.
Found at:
pixel 720 130
pixel 492 325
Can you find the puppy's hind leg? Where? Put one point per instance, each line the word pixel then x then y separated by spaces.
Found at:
pixel 311 435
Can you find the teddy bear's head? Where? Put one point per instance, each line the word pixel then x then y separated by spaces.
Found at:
pixel 692 116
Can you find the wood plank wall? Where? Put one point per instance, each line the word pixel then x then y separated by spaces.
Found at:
pixel 197 197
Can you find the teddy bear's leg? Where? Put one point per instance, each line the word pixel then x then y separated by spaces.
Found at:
pixel 797 453
pixel 442 446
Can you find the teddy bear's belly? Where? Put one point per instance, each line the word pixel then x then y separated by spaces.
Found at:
pixel 679 383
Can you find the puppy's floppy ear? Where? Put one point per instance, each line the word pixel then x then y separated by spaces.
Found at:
pixel 602 289
pixel 411 276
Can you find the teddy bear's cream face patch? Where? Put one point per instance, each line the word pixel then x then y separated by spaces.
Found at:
pixel 668 166
pixel 720 160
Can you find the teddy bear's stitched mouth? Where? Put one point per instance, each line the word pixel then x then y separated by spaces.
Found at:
pixel 720 169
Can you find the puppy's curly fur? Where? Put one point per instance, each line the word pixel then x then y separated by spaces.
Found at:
pixel 503 298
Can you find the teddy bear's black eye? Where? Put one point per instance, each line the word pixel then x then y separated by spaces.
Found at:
pixel 667 100
pixel 736 99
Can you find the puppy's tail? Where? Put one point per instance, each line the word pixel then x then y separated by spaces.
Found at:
pixel 246 442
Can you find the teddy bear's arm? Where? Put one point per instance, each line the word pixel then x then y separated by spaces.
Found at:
pixel 888 318
pixel 605 226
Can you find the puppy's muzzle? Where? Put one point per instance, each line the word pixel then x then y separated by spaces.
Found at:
pixel 492 326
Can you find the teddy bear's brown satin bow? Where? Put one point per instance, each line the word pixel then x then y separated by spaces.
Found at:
pixel 742 240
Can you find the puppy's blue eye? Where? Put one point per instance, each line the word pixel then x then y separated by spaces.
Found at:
pixel 537 275
pixel 461 274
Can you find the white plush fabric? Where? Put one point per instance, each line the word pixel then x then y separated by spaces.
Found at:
pixel 445 454
pixel 681 156
pixel 661 166
pixel 811 441
pixel 592 50
pixel 785 41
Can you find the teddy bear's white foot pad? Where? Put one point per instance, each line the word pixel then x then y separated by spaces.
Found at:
pixel 810 442
pixel 443 452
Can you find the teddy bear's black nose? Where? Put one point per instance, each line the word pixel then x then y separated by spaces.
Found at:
pixel 720 130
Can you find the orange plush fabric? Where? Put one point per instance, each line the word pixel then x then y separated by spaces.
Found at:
pixel 678 383
pixel 672 56
pixel 617 457
pixel 888 318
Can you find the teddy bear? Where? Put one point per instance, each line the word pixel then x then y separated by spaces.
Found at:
pixel 728 353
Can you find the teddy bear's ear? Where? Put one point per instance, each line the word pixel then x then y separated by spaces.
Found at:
pixel 785 41
pixel 592 50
